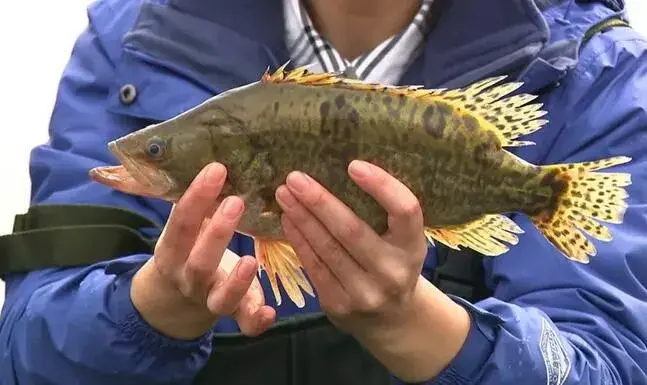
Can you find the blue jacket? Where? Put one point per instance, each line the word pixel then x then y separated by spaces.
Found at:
pixel 550 321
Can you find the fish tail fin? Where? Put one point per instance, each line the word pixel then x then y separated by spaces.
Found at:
pixel 280 262
pixel 582 198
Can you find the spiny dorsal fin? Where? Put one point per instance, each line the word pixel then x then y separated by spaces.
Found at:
pixel 487 100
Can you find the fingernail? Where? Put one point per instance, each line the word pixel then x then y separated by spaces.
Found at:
pixel 298 181
pixel 284 197
pixel 245 269
pixel 214 174
pixel 231 207
pixel 359 169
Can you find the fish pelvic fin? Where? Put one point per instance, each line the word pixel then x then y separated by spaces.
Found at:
pixel 483 235
pixel 487 100
pixel 280 262
pixel 582 199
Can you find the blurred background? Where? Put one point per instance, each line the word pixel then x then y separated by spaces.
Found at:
pixel 36 38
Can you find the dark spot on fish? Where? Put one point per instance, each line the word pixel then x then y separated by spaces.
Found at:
pixel 353 117
pixel 340 101
pixel 460 139
pixel 324 109
pixel 558 186
pixel 349 150
pixel 471 124
pixel 368 98
pixel 434 119
pixel 276 107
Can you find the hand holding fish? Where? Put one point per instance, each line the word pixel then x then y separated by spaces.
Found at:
pixel 370 285
pixel 193 280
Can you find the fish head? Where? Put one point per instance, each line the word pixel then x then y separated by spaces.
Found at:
pixel 160 160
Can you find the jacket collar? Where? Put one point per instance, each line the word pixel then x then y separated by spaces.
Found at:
pixel 222 44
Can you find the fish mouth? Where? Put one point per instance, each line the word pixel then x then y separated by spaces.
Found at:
pixel 136 178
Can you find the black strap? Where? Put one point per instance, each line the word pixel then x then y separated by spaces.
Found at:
pixel 72 235
pixel 43 216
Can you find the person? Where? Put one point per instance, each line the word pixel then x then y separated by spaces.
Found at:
pixel 194 311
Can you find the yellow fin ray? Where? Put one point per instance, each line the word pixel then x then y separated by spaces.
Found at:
pixel 482 235
pixel 588 197
pixel 281 263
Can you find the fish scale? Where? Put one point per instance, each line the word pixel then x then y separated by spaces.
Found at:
pixel 448 146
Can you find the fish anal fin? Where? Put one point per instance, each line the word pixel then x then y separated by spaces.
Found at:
pixel 586 199
pixel 281 264
pixel 483 235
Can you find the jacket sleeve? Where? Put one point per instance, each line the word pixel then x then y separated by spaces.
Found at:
pixel 78 326
pixel 556 322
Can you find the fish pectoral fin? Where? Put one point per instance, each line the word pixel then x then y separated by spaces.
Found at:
pixel 482 235
pixel 280 262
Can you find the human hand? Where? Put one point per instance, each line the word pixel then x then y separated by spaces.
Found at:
pixel 363 279
pixel 193 279
pixel 370 285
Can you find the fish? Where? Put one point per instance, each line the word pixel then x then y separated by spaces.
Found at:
pixel 451 147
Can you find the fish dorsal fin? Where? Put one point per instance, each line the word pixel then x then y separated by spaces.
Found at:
pixel 487 100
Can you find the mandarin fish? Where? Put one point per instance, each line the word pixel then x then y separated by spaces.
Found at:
pixel 447 145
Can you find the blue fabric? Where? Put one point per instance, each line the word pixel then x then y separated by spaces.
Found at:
pixel 78 326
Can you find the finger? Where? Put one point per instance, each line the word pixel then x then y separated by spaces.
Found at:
pixel 204 259
pixel 402 206
pixel 256 323
pixel 329 287
pixel 188 213
pixel 344 225
pixel 252 315
pixel 225 297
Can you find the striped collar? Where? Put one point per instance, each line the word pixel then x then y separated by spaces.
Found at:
pixel 384 64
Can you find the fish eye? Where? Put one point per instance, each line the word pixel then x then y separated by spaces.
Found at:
pixel 155 147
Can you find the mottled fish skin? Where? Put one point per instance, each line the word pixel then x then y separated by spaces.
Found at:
pixel 457 171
